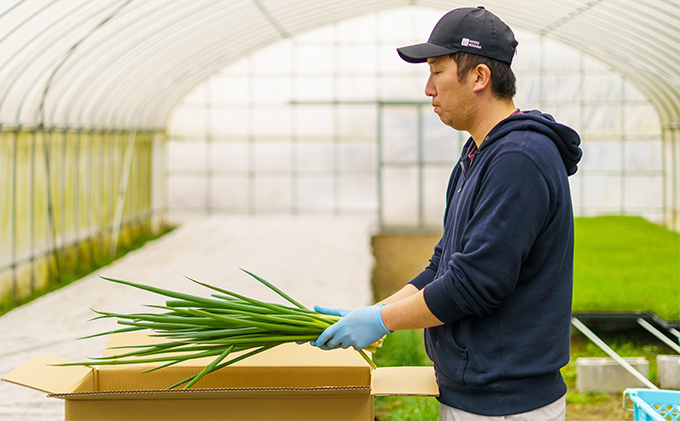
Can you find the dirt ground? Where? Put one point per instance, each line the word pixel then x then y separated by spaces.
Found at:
pixel 401 257
pixel 608 410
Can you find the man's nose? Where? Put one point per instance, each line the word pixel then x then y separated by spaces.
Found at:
pixel 429 88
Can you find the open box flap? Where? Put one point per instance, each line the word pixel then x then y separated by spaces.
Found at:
pixel 41 374
pixel 404 381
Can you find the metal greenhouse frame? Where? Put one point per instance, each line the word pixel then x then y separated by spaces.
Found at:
pixel 87 89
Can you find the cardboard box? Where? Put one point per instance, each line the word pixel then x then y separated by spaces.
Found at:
pixel 289 382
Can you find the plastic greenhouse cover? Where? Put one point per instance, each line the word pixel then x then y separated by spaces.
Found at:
pixel 125 63
pixel 311 156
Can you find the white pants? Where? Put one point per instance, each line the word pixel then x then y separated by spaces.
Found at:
pixel 556 411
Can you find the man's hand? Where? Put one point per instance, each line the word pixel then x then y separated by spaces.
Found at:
pixel 358 328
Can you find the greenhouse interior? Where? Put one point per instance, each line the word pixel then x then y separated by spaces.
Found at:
pixel 122 118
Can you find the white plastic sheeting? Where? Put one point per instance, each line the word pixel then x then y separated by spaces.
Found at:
pixel 126 63
pixel 333 121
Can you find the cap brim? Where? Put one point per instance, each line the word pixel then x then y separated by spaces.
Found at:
pixel 419 53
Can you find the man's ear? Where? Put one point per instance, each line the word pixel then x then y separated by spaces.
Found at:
pixel 482 77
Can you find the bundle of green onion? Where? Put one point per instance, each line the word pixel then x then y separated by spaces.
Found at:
pixel 218 326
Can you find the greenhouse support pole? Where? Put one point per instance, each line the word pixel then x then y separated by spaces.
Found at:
pixel 157 172
pixel 671 160
pixel 122 190
pixel 674 134
pixel 47 139
pixel 623 363
pixel 675 332
pixel 13 217
pixel 663 338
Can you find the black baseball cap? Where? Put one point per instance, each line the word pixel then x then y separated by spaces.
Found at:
pixel 472 30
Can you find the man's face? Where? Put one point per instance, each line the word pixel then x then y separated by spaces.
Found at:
pixel 453 100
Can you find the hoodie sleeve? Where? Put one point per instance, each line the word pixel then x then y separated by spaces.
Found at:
pixel 509 211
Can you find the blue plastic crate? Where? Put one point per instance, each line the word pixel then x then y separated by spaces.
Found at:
pixel 654 405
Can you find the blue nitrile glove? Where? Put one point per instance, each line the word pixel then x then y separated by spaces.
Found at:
pixel 331 312
pixel 359 329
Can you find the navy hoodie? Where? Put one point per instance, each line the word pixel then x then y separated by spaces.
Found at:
pixel 501 276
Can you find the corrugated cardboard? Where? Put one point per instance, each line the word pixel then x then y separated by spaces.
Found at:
pixel 289 382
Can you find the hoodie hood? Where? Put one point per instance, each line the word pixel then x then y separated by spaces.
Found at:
pixel 565 138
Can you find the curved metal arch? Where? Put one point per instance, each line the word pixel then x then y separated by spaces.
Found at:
pixel 302 21
pixel 216 67
pixel 39 34
pixel 609 21
pixel 8 34
pixel 633 42
pixel 621 12
pixel 56 59
pixel 161 50
pixel 517 19
pixel 614 28
pixel 641 12
pixel 212 68
pixel 657 92
pixel 104 59
pixel 658 97
pixel 97 81
pixel 71 72
pixel 635 75
pixel 41 110
pixel 169 98
pixel 510 13
pixel 665 100
pixel 165 103
pixel 166 66
pixel 615 51
pixel 12 7
pixel 50 64
pixel 662 90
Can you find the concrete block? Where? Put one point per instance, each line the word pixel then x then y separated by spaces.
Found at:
pixel 605 375
pixel 668 371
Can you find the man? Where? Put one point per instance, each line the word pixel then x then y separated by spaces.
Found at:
pixel 496 297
